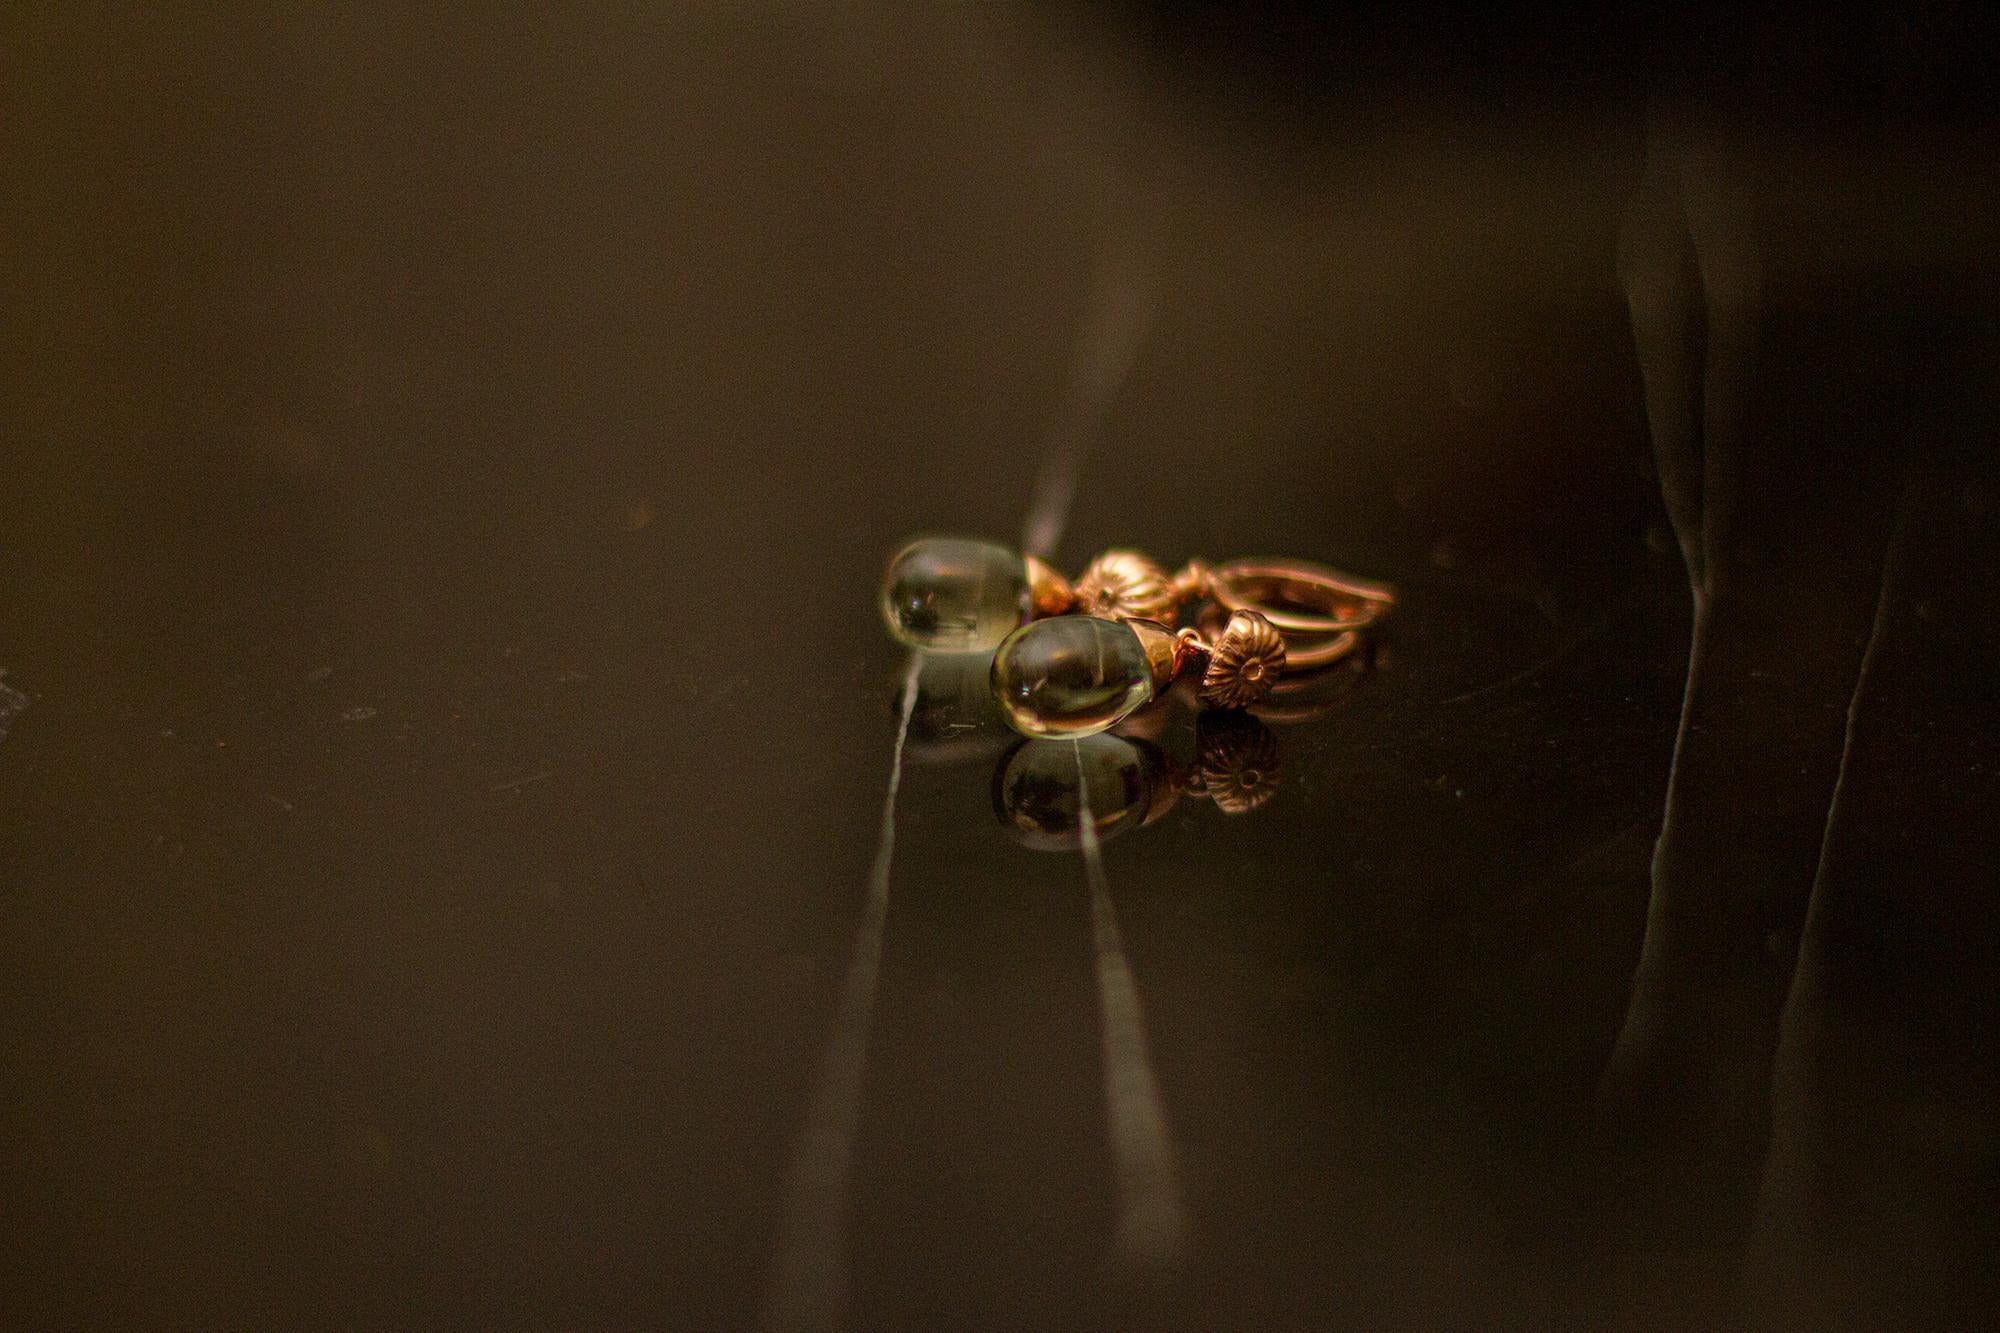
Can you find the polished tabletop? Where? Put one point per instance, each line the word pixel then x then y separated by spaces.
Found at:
pixel 472 856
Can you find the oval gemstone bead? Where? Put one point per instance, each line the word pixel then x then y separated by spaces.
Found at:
pixel 1070 676
pixel 1042 789
pixel 954 595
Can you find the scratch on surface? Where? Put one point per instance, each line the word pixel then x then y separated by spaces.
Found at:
pixel 12 704
pixel 1788 1152
pixel 809 1284
pixel 1152 1219
pixel 515 784
pixel 810 1277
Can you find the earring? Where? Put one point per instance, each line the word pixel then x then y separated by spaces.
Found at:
pixel 1073 676
pixel 956 594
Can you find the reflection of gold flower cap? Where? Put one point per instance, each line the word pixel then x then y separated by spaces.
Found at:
pixel 1236 762
pixel 1244 663
pixel 1122 584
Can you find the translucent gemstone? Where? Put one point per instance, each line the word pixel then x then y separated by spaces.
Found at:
pixel 1070 676
pixel 951 595
pixel 1043 788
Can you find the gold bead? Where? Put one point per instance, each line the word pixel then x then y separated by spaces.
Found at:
pixel 1245 662
pixel 1123 585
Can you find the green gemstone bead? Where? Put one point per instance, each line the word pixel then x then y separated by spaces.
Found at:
pixel 952 595
pixel 1070 676
pixel 1042 789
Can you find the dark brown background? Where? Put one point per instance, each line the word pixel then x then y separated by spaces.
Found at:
pixel 448 463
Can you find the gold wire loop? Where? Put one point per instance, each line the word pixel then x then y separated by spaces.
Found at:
pixel 1319 611
pixel 1303 652
pixel 1301 597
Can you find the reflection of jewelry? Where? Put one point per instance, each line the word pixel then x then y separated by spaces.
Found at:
pixel 953 716
pixel 1042 790
pixel 1236 763
pixel 952 594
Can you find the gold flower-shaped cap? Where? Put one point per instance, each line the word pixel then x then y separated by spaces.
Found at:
pixel 1236 763
pixel 1125 584
pixel 1244 663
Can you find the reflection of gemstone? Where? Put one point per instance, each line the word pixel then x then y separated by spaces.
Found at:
pixel 1043 788
pixel 951 595
pixel 1070 676
pixel 953 715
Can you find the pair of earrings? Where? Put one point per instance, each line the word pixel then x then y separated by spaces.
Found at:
pixel 1072 660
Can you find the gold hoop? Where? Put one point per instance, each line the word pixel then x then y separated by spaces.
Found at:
pixel 1301 597
pixel 1303 649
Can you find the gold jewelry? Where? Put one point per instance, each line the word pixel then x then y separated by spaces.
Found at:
pixel 1075 659
pixel 1073 676
pixel 956 594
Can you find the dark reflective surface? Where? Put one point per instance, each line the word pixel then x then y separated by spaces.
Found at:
pixel 1120 780
pixel 448 468
pixel 1044 789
